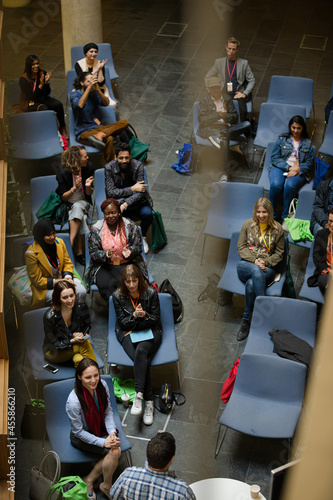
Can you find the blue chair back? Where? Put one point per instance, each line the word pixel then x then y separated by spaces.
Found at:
pixel 222 220
pixel 327 146
pixel 167 352
pixel 296 316
pixel 292 90
pixel 104 52
pixel 264 178
pixel 58 424
pixel 310 293
pixel 12 92
pixel 273 121
pixel 40 189
pixel 34 136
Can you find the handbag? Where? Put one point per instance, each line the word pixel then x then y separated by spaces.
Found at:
pixel 321 168
pixel 121 387
pixel 183 166
pixel 54 210
pixel 228 385
pixel 177 304
pixel 159 238
pixel 139 150
pixel 41 481
pixel 69 487
pixel 166 399
pixel 33 422
pixel 19 285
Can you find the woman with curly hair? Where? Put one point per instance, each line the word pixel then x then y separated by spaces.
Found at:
pixel 113 243
pixel 261 248
pixel 75 186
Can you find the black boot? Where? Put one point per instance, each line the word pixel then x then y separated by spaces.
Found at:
pixel 244 330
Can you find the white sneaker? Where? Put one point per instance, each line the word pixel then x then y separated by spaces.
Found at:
pixel 215 141
pixel 137 404
pixel 148 416
pixel 145 245
pixel 224 178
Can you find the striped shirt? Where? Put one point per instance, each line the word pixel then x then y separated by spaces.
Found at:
pixel 137 483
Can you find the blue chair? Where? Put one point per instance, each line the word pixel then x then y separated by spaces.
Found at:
pixel 326 149
pixel 292 90
pixel 100 195
pixel 167 352
pixel 264 178
pixel 230 281
pixel 33 339
pixel 12 92
pixel 303 211
pixel 273 121
pixel 40 188
pixel 266 400
pixel 71 75
pixel 310 292
pixel 58 424
pixel 34 136
pixel 94 287
pixel 222 219
pixel 296 316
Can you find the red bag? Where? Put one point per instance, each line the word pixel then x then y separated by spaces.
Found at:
pixel 230 382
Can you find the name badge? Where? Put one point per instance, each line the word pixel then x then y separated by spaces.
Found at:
pixel 229 86
pixel 116 261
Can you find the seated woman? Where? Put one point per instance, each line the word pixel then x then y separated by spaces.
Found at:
pixel 138 311
pixel 291 166
pixel 93 429
pixel 113 243
pixel 35 92
pixel 66 324
pixel 261 247
pixel 48 263
pixel 323 256
pixel 75 186
pixel 92 65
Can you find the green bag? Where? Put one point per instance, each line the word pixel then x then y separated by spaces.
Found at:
pixel 159 238
pixel 121 387
pixel 139 150
pixel 69 487
pixel 53 209
pixel 288 289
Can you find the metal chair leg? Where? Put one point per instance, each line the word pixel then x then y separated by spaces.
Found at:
pixel 218 445
pixel 129 458
pixel 203 249
pixel 178 374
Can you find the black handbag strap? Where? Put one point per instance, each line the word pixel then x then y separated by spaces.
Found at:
pixel 175 398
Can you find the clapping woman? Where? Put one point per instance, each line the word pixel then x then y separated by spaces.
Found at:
pixel 291 166
pixel 93 429
pixel 66 327
pixel 261 248
pixel 35 92
pixel 139 330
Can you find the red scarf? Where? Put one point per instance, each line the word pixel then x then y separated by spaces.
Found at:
pixel 93 417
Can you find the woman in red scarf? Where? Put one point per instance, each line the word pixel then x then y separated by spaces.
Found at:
pixel 92 424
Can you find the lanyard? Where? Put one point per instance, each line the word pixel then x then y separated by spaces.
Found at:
pixel 35 84
pixel 134 302
pixel 54 264
pixel 233 69
pixel 219 107
pixel 296 148
pixel 331 252
pixel 269 239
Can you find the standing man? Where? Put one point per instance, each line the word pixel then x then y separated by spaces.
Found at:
pixel 86 98
pixel 235 74
pixel 154 480
pixel 125 181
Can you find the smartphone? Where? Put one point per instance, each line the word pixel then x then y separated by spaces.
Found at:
pixel 85 337
pixel 51 368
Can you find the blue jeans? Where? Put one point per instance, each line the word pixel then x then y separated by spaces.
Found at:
pixel 144 213
pixel 256 281
pixel 289 186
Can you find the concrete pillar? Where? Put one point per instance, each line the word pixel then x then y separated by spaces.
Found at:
pixel 81 24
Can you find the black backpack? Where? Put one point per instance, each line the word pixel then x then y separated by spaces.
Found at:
pixel 177 305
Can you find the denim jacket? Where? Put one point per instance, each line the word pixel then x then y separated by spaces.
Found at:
pixel 283 149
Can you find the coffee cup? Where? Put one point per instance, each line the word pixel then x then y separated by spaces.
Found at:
pixel 255 491
pixel 125 400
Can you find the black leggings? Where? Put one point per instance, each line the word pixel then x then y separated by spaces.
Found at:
pixel 107 279
pixel 322 282
pixel 46 103
pixel 142 353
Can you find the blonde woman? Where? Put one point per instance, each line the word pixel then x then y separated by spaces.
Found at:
pixel 261 247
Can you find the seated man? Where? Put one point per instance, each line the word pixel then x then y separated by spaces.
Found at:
pixel 124 181
pixel 235 74
pixel 322 203
pixel 86 98
pixel 154 480
pixel 216 113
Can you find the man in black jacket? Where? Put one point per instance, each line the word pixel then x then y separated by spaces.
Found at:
pixel 124 181
pixel 322 203
pixel 217 113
